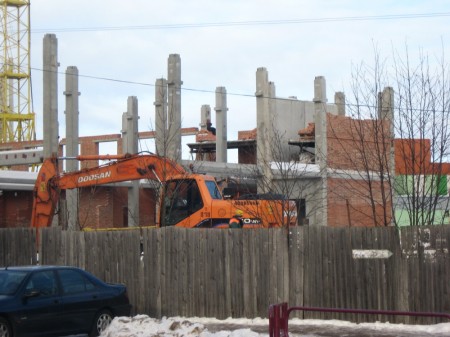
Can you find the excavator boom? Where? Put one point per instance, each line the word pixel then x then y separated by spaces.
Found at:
pixel 50 182
pixel 187 200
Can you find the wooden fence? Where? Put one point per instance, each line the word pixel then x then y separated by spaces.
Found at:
pixel 239 273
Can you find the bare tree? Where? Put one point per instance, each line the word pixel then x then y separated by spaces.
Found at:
pixel 411 118
pixel 293 177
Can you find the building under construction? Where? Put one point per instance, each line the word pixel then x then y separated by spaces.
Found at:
pixel 300 149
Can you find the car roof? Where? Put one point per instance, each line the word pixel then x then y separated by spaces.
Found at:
pixel 33 267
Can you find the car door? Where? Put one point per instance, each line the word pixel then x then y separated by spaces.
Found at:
pixel 41 305
pixel 81 298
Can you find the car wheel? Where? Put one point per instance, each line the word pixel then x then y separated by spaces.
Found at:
pixel 101 322
pixel 5 329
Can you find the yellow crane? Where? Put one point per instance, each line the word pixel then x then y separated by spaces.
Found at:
pixel 17 120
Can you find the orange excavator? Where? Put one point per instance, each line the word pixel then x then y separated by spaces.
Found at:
pixel 187 199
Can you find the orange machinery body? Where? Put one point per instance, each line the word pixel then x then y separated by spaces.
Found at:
pixel 187 200
pixel 196 201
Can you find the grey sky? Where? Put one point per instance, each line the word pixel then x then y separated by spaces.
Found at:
pixel 326 38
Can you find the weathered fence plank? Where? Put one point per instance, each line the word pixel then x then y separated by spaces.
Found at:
pixel 17 246
pixel 239 273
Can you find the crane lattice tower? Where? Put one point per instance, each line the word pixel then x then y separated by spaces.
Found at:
pixel 17 121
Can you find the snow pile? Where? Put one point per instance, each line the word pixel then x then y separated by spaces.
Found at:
pixel 145 326
pixel 142 325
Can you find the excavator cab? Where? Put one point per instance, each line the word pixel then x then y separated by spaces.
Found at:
pixel 181 199
pixel 188 201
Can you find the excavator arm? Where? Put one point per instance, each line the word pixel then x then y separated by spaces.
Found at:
pixel 50 182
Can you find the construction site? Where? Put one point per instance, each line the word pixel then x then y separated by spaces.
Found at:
pixel 298 149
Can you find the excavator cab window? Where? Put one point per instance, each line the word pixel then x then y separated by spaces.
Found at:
pixel 213 189
pixel 181 199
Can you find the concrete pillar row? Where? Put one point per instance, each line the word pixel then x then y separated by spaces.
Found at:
pixel 205 116
pixel 221 122
pixel 130 130
pixel 386 106
pixel 320 119
pixel 161 136
pixel 130 140
pixel 339 100
pixel 50 96
pixel 174 107
pixel 265 112
pixel 72 145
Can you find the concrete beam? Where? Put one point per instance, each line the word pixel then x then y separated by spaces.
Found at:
pixel 21 157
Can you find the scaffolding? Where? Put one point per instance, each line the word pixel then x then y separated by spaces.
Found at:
pixel 17 120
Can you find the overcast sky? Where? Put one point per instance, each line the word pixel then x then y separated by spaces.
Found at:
pixel 221 43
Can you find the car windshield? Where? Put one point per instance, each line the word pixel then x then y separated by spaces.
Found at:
pixel 10 280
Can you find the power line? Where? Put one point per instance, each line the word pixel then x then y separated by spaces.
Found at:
pixel 244 23
pixel 139 83
pixel 100 78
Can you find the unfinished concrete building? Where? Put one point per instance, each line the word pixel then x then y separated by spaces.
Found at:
pixel 294 151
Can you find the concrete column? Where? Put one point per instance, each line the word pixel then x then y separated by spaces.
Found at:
pixel 339 100
pixel 174 107
pixel 205 116
pixel 161 136
pixel 130 146
pixel 221 122
pixel 320 118
pixel 386 106
pixel 264 92
pixel 130 126
pixel 50 93
pixel 72 141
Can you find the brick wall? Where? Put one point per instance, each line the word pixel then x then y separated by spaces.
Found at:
pixel 100 207
pixel 356 144
pixel 106 207
pixel 349 204
pixel 15 208
pixel 247 154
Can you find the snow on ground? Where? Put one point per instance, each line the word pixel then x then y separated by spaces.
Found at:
pixel 145 326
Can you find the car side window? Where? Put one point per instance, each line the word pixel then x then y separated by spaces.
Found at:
pixel 73 282
pixel 44 282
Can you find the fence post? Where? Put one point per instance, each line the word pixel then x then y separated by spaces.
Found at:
pixel 274 320
pixel 284 320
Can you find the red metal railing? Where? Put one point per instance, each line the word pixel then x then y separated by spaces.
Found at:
pixel 279 316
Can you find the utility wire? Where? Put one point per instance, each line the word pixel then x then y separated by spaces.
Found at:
pixel 228 93
pixel 138 83
pixel 244 23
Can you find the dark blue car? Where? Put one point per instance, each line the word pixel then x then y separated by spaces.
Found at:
pixel 57 301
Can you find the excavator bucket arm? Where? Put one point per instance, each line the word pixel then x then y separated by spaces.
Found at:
pixel 45 194
pixel 50 182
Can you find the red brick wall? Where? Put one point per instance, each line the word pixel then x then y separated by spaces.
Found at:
pixel 247 155
pixel 345 140
pixel 349 204
pixel 106 207
pixel 349 199
pixel 101 207
pixel 15 208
